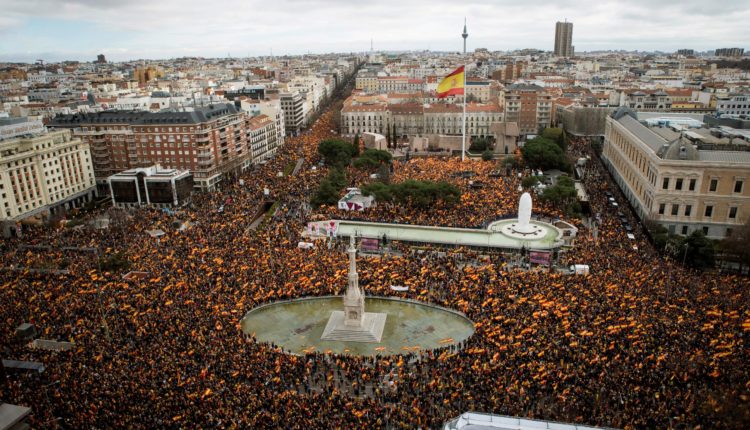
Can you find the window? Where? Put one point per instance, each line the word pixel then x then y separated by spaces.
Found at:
pixel 675 208
pixel 662 207
pixel 688 209
pixel 665 184
pixel 691 187
pixel 705 231
pixel 678 184
pixel 738 186
pixel 733 212
pixel 684 229
pixel 713 185
pixel 709 211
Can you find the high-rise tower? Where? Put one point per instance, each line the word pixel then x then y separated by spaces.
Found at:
pixel 465 34
pixel 564 39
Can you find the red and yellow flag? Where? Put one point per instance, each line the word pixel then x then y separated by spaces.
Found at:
pixel 452 84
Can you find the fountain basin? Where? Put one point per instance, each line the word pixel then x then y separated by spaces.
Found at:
pixel 411 326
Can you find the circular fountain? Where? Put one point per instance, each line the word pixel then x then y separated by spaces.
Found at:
pixel 340 325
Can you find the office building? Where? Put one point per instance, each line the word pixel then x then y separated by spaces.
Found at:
pixel 729 52
pixel 677 174
pixel 293 106
pixel 41 173
pixel 564 39
pixel 211 142
pixel 151 186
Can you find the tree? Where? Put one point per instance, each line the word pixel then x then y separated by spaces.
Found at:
pixel 329 189
pixel 337 153
pixel 529 181
pixel 487 155
pixel 395 136
pixel 372 158
pixel 700 252
pixel 735 245
pixel 479 144
pixel 355 144
pixel 326 194
pixel 419 193
pixel 562 194
pixel 541 153
pixel 556 135
pixel 381 191
pixel 510 161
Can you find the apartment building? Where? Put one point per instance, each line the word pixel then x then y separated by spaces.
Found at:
pixel 211 142
pixel 530 106
pixel 735 104
pixel 646 100
pixel 41 172
pixel 683 178
pixel 293 106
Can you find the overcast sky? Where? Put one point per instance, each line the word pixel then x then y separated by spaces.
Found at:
pixel 131 29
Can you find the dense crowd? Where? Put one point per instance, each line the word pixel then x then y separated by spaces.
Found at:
pixel 638 343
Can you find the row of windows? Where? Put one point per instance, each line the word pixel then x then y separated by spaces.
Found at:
pixel 679 183
pixel 688 209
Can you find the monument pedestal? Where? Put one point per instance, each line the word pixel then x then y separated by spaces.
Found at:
pixel 371 329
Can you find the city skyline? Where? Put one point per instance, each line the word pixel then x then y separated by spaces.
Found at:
pixel 81 29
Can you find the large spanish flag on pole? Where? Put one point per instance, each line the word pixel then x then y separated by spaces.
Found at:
pixel 452 84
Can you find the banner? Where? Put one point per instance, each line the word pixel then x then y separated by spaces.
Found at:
pixel 540 257
pixel 369 244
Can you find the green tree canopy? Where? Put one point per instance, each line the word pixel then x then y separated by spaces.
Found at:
pixel 529 181
pixel 337 153
pixel 372 158
pixel 329 190
pixel 419 193
pixel 542 153
pixel 556 135
pixel 562 194
pixel 479 144
pixel 700 252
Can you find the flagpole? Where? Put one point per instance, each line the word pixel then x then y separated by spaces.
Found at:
pixel 463 140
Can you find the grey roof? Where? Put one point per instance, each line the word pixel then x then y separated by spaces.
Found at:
pixel 725 156
pixel 196 116
pixel 10 415
pixel 680 150
pixel 12 120
pixel 653 140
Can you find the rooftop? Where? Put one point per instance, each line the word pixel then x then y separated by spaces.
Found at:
pixel 197 116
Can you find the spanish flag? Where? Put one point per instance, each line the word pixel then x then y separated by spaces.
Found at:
pixel 452 84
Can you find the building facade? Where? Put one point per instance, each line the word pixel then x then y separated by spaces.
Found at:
pixel 44 173
pixel 530 106
pixel 151 186
pixel 738 104
pixel 564 39
pixel 415 119
pixel 686 181
pixel 292 104
pixel 729 52
pixel 211 142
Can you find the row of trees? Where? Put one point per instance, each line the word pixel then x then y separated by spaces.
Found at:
pixel 419 193
pixel 700 252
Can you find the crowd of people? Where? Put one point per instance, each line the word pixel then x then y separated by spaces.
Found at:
pixel 640 342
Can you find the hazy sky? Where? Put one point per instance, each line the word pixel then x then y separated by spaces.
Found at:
pixel 132 29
